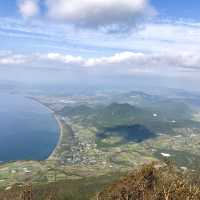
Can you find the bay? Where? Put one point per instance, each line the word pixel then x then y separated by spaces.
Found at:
pixel 28 130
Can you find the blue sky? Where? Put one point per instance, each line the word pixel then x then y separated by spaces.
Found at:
pixel 127 39
pixel 176 9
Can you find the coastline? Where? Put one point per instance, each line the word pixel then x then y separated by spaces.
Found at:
pixel 59 131
pixel 60 128
pixel 58 120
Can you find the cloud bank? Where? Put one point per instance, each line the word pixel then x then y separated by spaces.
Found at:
pixel 121 63
pixel 92 13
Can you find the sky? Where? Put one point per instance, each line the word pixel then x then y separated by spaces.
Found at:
pixel 115 42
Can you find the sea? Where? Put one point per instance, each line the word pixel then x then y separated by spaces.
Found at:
pixel 28 130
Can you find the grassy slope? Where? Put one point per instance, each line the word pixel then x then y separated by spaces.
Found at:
pixel 153 183
pixel 80 189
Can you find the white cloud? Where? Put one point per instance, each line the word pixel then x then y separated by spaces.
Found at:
pixel 66 59
pixel 165 64
pixel 11 59
pixel 123 58
pixel 112 14
pixel 98 13
pixel 28 8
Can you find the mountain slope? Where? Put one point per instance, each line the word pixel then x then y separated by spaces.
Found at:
pixel 152 182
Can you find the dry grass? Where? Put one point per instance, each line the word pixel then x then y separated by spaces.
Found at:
pixel 152 183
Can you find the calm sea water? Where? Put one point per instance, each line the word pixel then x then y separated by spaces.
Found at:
pixel 28 131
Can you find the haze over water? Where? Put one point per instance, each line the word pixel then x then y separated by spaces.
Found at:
pixel 28 131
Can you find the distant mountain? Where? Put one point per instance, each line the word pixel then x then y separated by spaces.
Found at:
pixel 114 109
pixel 161 116
pixel 77 110
pixel 137 98
pixel 116 113
pixel 106 116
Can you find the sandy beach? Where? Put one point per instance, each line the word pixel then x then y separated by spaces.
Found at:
pixel 52 156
